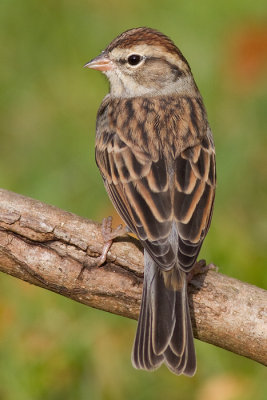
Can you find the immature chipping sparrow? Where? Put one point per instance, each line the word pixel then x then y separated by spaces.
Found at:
pixel 155 152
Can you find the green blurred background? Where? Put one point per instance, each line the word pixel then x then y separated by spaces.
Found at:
pixel 51 347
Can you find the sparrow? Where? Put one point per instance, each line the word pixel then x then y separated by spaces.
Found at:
pixel 155 151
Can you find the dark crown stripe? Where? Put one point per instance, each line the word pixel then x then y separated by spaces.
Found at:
pixel 148 36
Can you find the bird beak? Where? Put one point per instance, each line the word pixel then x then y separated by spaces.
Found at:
pixel 100 63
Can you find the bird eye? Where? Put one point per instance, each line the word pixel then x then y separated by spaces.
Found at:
pixel 134 59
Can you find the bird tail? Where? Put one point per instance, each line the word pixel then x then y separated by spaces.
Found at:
pixel 164 332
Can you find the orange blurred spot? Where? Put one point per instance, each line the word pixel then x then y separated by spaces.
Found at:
pixel 224 387
pixel 246 55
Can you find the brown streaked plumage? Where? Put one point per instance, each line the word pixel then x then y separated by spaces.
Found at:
pixel 155 151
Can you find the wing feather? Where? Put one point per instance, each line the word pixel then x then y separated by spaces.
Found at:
pixel 193 198
pixel 141 194
pixel 150 199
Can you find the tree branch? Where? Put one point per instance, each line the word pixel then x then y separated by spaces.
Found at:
pixel 48 247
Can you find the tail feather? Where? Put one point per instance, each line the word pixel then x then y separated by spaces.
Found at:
pixel 178 340
pixel 174 363
pixel 164 332
pixel 191 354
pixel 143 356
pixel 163 301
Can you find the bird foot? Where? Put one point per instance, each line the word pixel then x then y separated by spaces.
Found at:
pixel 108 235
pixel 200 267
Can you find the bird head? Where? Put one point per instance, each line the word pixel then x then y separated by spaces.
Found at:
pixel 144 62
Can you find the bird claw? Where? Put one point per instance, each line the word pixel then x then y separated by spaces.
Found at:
pixel 200 267
pixel 108 235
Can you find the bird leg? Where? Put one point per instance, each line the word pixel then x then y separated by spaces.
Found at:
pixel 200 267
pixel 108 235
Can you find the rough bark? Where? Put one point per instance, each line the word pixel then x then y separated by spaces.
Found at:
pixel 48 247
